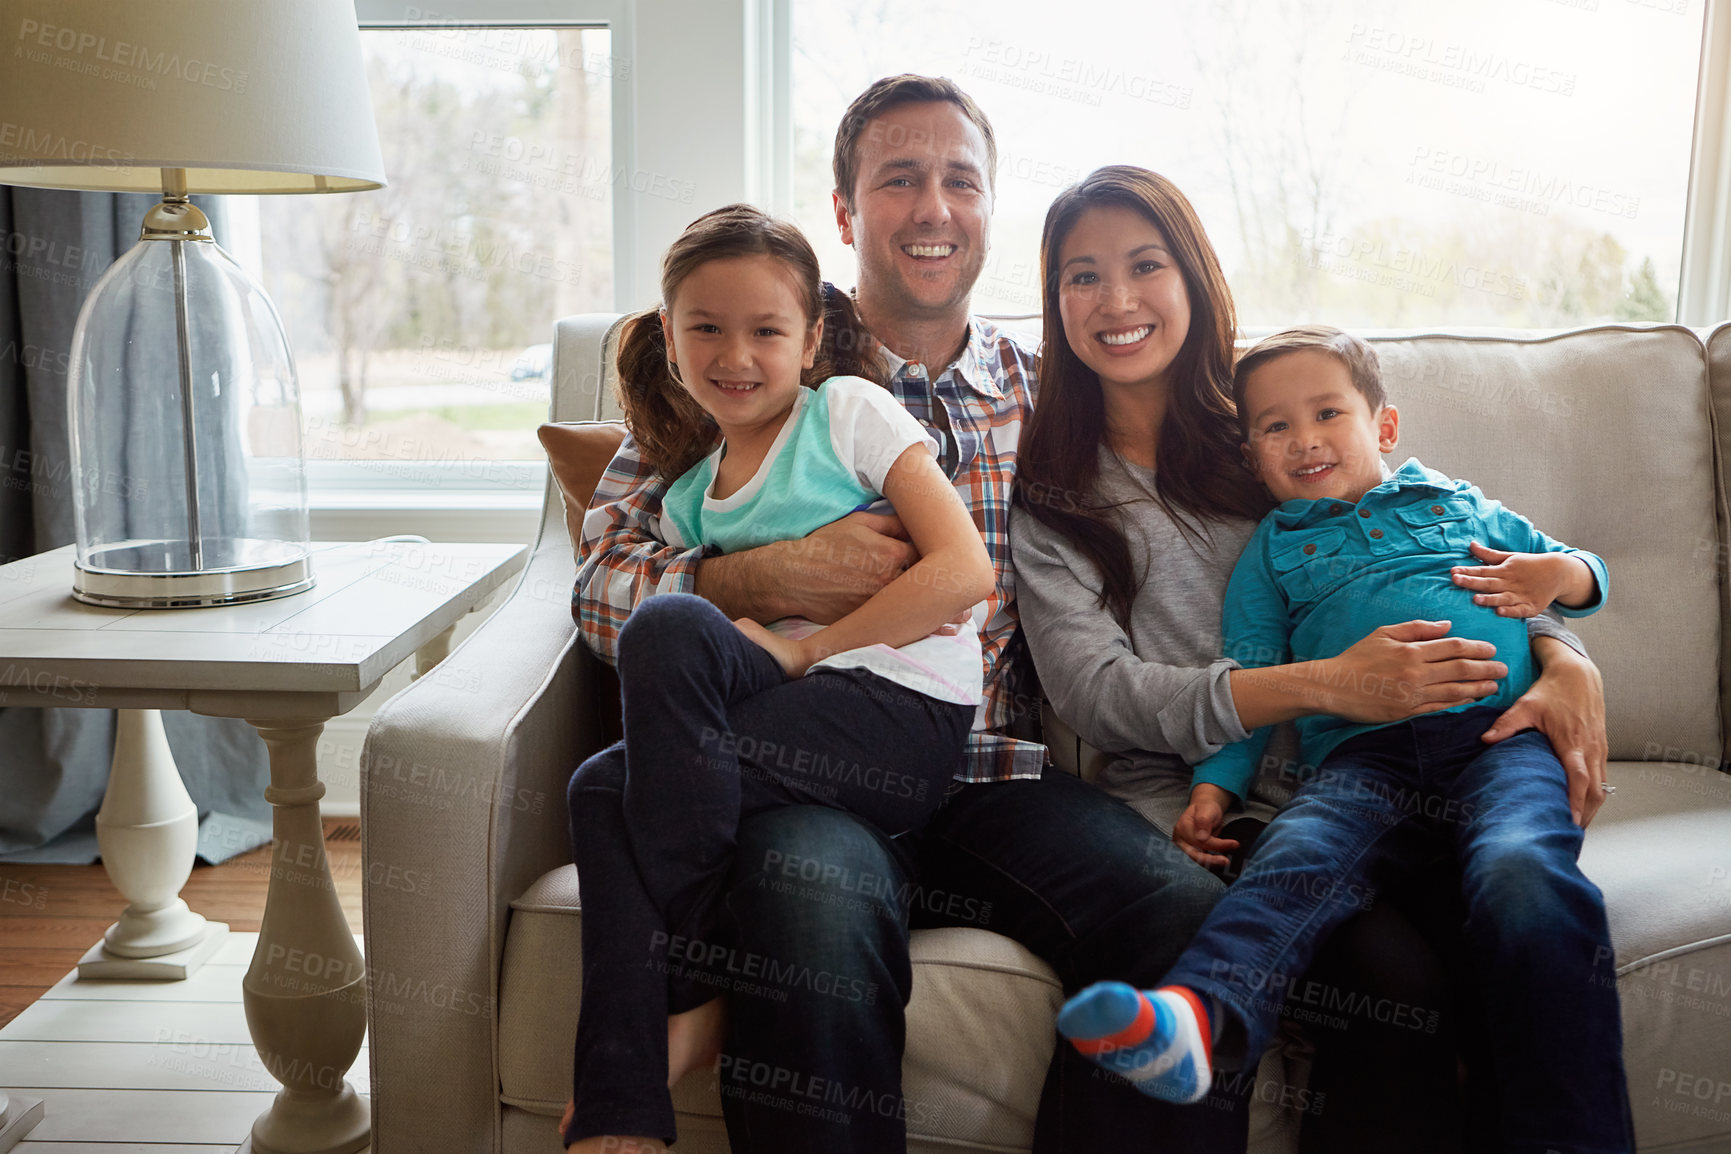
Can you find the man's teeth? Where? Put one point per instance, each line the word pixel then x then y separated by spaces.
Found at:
pixel 1311 470
pixel 929 249
pixel 1128 338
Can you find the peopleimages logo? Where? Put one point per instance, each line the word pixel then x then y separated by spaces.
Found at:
pixel 130 63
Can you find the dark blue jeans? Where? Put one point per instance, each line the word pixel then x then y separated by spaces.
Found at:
pixel 1056 864
pixel 1543 980
pixel 715 734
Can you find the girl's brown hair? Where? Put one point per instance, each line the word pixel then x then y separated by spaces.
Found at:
pixel 671 429
pixel 1200 473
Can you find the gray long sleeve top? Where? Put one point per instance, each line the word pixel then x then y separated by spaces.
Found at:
pixel 1155 697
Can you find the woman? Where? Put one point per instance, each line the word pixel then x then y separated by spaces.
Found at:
pixel 1132 509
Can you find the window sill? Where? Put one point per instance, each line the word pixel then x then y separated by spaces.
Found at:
pixel 438 515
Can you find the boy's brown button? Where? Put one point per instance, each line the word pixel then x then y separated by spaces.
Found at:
pixel 1309 549
pixel 1364 512
pixel 1437 509
pixel 1377 533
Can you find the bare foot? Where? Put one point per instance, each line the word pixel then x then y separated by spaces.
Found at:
pixel 608 1143
pixel 694 1038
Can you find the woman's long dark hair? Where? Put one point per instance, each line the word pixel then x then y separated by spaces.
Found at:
pixel 672 430
pixel 1199 473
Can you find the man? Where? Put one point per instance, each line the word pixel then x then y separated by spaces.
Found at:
pixel 914 168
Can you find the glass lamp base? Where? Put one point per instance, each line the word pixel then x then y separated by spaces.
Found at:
pixel 160 574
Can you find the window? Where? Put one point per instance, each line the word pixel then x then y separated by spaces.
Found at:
pixel 1371 163
pixel 420 313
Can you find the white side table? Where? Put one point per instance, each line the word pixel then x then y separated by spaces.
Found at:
pixel 286 667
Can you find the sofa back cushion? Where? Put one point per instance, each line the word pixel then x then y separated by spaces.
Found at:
pixel 1603 439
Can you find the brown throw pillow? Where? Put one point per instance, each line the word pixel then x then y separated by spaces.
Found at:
pixel 578 452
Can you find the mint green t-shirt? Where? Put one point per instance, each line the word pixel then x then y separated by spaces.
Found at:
pixel 829 459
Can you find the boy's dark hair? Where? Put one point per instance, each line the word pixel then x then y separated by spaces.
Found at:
pixel 1358 357
pixel 672 431
pixel 893 92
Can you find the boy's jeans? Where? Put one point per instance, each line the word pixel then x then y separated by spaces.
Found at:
pixel 1543 981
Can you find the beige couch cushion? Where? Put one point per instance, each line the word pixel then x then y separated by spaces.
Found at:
pixel 1661 852
pixel 974 993
pixel 1624 473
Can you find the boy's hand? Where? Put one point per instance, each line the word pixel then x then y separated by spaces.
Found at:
pixel 794 657
pixel 1524 584
pixel 1194 833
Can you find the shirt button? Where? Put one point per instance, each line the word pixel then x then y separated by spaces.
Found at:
pixel 1364 512
pixel 1309 549
pixel 1437 509
pixel 915 369
pixel 1377 533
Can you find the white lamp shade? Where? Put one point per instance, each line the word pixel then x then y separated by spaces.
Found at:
pixel 247 96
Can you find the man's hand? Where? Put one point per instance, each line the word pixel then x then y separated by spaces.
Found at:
pixel 822 577
pixel 1196 829
pixel 1524 584
pixel 1567 704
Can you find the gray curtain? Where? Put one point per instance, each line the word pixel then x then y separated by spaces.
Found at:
pixel 54 762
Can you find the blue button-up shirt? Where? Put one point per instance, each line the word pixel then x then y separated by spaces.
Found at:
pixel 1318 576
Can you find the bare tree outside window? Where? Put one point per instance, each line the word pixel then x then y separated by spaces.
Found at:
pixel 419 313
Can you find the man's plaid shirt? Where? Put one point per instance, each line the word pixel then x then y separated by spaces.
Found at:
pixel 984 397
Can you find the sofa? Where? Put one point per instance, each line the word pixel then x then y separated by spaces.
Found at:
pixel 1612 438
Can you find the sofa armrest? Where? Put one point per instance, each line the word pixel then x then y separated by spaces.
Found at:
pixel 462 808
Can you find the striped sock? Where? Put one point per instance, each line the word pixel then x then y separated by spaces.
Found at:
pixel 1158 1039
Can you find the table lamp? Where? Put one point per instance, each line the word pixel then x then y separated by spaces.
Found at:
pixel 189 483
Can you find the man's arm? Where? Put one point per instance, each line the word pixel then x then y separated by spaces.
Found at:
pixel 623 559
pixel 822 577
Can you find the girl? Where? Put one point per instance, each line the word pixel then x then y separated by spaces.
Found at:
pixel 747 346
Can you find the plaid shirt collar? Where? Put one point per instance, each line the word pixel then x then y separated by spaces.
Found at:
pixel 974 366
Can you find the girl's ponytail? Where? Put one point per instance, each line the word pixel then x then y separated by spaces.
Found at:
pixel 671 429
pixel 848 350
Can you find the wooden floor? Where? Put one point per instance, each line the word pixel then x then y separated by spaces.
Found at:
pixel 125 1067
pixel 51 914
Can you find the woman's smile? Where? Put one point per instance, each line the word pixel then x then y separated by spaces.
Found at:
pixel 1125 340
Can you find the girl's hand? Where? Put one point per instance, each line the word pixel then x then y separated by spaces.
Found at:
pixel 1401 671
pixel 1196 829
pixel 1520 584
pixel 794 657
pixel 1567 704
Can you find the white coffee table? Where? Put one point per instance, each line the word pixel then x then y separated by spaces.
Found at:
pixel 285 666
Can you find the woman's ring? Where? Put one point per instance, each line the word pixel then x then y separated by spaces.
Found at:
pixel 1608 788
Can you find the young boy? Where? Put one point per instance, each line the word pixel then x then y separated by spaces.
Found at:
pixel 1353 547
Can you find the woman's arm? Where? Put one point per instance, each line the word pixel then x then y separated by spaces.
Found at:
pixel 953 572
pixel 1566 703
pixel 1119 700
pixel 1396 672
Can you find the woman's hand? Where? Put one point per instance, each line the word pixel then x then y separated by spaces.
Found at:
pixel 1196 829
pixel 1401 671
pixel 794 657
pixel 1567 704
